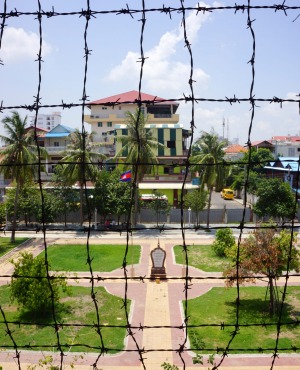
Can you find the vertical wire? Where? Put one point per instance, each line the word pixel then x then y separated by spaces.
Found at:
pixel 187 279
pixel 135 190
pixel 9 332
pixel 289 260
pixel 57 326
pixel 97 326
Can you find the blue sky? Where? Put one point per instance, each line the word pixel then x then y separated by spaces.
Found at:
pixel 221 44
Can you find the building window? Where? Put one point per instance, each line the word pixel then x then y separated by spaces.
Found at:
pixel 291 152
pixel 56 143
pixel 104 108
pixel 171 144
pixel 109 124
pixel 99 124
pixel 168 170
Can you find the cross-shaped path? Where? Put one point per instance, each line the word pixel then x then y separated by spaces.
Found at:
pixel 157 307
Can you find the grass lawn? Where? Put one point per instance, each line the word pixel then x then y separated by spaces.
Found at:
pixel 218 305
pixel 77 309
pixel 201 257
pixel 6 245
pixel 105 258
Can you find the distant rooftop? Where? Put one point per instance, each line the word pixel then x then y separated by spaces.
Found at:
pixel 131 96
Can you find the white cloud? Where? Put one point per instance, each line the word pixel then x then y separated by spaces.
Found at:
pixel 18 45
pixel 163 72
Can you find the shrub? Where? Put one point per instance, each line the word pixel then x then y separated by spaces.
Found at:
pixel 223 242
pixel 30 286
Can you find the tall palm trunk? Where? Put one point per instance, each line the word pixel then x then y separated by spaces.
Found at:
pixel 81 203
pixel 14 222
pixel 136 203
pixel 208 206
pixel 272 303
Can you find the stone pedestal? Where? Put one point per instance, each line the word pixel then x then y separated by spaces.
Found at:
pixel 158 269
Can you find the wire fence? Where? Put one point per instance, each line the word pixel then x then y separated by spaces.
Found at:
pixel 139 11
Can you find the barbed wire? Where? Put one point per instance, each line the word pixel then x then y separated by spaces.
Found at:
pixel 92 277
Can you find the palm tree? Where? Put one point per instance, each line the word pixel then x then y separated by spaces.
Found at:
pixel 80 162
pixel 207 155
pixel 140 148
pixel 18 155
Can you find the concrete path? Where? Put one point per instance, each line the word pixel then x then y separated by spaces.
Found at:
pixel 156 306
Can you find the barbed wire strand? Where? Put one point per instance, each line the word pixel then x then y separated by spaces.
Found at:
pixel 88 14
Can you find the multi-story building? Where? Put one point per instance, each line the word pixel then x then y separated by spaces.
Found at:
pixel 56 141
pixel 108 120
pixel 286 146
pixel 46 121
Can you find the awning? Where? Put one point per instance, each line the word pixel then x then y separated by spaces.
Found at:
pixel 166 185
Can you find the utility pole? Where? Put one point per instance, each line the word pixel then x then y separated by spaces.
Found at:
pixel 223 124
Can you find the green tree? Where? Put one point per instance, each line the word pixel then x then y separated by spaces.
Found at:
pixel 275 199
pixel 2 213
pixel 80 163
pixel 250 168
pixel 257 158
pixel 30 286
pixel 30 206
pixel 196 200
pixel 265 252
pixel 207 157
pixel 254 179
pixel 223 242
pixel 18 156
pixel 111 196
pixel 159 205
pixel 67 198
pixel 139 146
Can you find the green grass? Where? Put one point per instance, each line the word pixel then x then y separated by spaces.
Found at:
pixel 6 245
pixel 201 257
pixel 218 305
pixel 105 258
pixel 77 309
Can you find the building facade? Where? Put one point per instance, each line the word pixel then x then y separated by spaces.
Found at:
pixel 56 141
pixel 46 121
pixel 108 120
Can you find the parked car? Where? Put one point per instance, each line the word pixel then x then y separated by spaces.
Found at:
pixel 227 194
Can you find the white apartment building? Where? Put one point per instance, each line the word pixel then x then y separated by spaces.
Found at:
pixel 46 121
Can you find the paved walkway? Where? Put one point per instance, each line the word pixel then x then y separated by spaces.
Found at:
pixel 154 305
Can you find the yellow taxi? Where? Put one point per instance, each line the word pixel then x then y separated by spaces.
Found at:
pixel 227 194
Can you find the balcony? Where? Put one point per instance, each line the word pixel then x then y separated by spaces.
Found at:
pixel 166 178
pixel 55 149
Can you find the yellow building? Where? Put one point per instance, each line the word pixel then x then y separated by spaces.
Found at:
pixel 108 120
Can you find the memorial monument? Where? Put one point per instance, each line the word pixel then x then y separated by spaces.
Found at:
pixel 158 257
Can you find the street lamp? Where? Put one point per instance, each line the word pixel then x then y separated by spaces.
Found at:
pixel 91 197
pixel 189 211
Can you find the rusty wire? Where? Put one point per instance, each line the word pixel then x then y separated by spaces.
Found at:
pixel 90 15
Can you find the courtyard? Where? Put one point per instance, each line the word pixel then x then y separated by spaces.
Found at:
pixel 155 308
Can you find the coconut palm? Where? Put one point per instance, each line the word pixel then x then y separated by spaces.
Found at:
pixel 207 155
pixel 140 148
pixel 18 155
pixel 79 163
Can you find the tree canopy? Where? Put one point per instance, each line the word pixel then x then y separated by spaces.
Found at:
pixel 18 156
pixel 207 157
pixel 80 162
pixel 275 199
pixel 139 147
pixel 111 196
pixel 268 253
pixel 196 200
pixel 30 286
